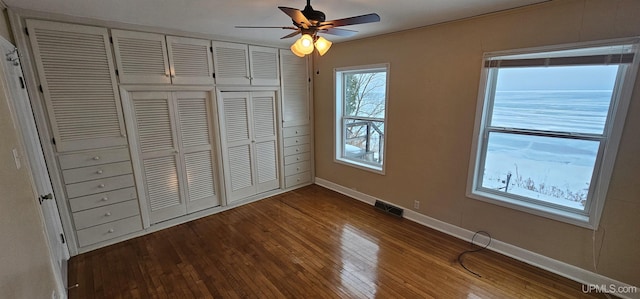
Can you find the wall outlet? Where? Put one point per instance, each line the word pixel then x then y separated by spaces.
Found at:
pixel 416 204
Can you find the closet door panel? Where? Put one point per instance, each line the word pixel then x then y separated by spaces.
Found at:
pixel 264 66
pixel 231 63
pixel 162 188
pixel 295 89
pixel 265 139
pixel 141 57
pixel 240 182
pixel 76 72
pixel 190 61
pixel 266 166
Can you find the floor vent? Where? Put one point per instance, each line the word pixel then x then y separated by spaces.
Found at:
pixel 393 210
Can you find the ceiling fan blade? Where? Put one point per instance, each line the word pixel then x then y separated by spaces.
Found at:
pixel 369 18
pixel 278 27
pixel 296 15
pixel 339 32
pixel 291 34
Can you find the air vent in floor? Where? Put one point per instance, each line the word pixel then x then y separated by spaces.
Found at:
pixel 393 210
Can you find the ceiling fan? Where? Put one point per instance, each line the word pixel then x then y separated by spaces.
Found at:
pixel 309 22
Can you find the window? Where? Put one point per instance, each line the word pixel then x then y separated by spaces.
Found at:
pixel 361 101
pixel 548 128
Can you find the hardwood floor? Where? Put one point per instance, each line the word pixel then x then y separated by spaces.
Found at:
pixel 308 243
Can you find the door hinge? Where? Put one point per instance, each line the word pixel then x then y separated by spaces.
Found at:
pixel 117 73
pixel 41 90
pixel 214 75
pixel 111 39
pixel 62 239
pixel 22 83
pixel 42 198
pixel 309 80
pixel 26 30
pixel 53 140
pixel 211 49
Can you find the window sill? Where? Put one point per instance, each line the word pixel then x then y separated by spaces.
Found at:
pixel 360 165
pixel 532 208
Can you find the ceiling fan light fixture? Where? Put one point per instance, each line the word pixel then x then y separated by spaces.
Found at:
pixel 296 51
pixel 305 44
pixel 322 45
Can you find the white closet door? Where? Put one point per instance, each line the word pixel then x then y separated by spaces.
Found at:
pixel 265 140
pixel 158 150
pixel 237 146
pixel 231 63
pixel 194 119
pixel 264 66
pixel 141 57
pixel 76 72
pixel 190 60
pixel 295 89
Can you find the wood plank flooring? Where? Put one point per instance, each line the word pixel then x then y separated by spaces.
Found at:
pixel 308 243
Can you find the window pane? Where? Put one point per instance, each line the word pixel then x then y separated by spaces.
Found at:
pixel 548 169
pixel 564 99
pixel 364 94
pixel 364 141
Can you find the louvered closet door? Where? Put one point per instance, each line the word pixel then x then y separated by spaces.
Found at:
pixel 265 140
pixel 194 119
pixel 158 151
pixel 190 60
pixel 231 63
pixel 237 147
pixel 141 57
pixel 264 66
pixel 78 81
pixel 295 89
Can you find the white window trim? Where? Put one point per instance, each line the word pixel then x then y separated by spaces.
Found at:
pixel 604 167
pixel 337 117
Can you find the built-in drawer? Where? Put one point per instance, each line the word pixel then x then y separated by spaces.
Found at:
pixel 96 172
pixel 102 199
pixel 296 168
pixel 297 149
pixel 106 214
pixel 108 231
pixel 99 186
pixel 291 141
pixel 296 158
pixel 296 131
pixel 297 179
pixel 84 159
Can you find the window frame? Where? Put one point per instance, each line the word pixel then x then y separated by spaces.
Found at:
pixel 340 118
pixel 607 151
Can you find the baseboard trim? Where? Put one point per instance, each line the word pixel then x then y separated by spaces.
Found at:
pixel 561 268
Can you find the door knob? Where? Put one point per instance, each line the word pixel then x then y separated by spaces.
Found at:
pixel 42 198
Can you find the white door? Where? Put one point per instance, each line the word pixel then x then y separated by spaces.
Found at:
pixel 17 92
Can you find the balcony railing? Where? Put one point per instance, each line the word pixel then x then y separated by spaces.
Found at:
pixel 364 139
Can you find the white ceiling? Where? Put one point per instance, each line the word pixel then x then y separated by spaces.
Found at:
pixel 218 17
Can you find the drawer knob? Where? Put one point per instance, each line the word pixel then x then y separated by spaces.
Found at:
pixel 296 131
pixel 297 168
pixel 99 171
pixel 111 230
pixel 96 158
pixel 107 214
pixel 298 158
pixel 101 186
pixel 296 140
pixel 297 150
pixel 105 198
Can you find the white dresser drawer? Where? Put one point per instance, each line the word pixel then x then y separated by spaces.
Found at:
pixel 297 179
pixel 109 230
pixel 99 186
pixel 102 199
pixel 96 172
pixel 93 158
pixel 296 168
pixel 296 131
pixel 296 158
pixel 291 141
pixel 297 149
pixel 106 214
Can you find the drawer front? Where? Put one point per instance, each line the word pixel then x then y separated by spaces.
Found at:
pixel 109 230
pixel 99 186
pixel 106 214
pixel 296 168
pixel 93 158
pixel 102 199
pixel 296 131
pixel 297 179
pixel 96 172
pixel 291 141
pixel 298 149
pixel 296 158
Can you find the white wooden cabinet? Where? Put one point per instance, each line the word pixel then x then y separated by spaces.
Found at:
pixel 173 145
pixel 295 89
pixel 148 58
pixel 249 143
pixel 241 64
pixel 76 73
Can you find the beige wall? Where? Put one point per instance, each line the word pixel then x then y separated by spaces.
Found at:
pixel 25 269
pixel 434 79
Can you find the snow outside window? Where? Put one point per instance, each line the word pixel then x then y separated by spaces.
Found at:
pixel 361 100
pixel 548 127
